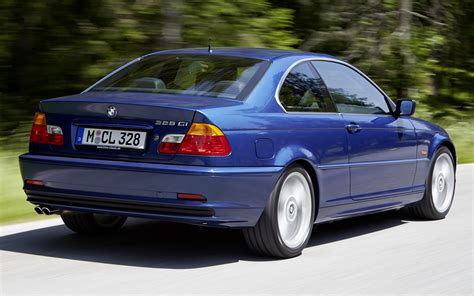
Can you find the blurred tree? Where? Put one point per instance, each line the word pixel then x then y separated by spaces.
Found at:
pixel 416 48
pixel 59 47
pixel 247 23
pixel 172 24
pixel 419 49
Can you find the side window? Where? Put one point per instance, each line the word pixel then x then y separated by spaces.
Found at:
pixel 304 91
pixel 351 92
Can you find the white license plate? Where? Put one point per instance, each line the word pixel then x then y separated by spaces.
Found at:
pixel 111 139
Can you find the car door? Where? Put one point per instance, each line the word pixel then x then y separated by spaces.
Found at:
pixel 382 147
pixel 319 129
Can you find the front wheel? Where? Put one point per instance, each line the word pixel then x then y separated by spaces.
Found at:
pixel 440 184
pixel 285 226
pixel 86 223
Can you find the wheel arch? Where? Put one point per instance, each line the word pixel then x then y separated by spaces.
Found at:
pixel 443 141
pixel 452 149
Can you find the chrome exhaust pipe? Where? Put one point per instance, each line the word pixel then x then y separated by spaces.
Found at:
pixel 47 211
pixel 38 210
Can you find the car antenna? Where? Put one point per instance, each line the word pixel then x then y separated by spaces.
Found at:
pixel 209 48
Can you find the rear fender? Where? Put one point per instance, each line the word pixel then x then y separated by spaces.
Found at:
pixel 292 153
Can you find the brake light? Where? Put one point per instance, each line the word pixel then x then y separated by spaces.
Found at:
pixel 201 139
pixel 45 134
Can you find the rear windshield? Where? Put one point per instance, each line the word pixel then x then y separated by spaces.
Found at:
pixel 199 75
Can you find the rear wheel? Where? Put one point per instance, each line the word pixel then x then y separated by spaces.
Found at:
pixel 285 226
pixel 86 223
pixel 439 192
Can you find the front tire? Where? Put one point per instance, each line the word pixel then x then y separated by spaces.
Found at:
pixel 285 226
pixel 86 223
pixel 440 185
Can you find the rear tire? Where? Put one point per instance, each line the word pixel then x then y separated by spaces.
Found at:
pixel 440 185
pixel 285 226
pixel 86 223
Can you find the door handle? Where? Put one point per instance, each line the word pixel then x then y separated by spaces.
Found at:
pixel 353 128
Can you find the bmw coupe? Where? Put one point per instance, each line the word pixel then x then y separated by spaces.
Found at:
pixel 267 141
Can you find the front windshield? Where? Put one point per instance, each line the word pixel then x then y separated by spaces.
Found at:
pixel 200 75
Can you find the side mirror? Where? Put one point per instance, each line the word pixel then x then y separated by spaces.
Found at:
pixel 405 107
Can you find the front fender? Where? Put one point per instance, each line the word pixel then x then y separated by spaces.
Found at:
pixel 438 140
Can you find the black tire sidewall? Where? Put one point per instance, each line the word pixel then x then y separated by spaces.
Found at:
pixel 85 223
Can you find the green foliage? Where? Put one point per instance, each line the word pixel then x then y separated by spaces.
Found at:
pixel 245 23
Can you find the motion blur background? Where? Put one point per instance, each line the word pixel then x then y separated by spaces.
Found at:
pixel 420 49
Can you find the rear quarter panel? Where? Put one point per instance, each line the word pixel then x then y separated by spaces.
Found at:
pixel 262 134
pixel 319 140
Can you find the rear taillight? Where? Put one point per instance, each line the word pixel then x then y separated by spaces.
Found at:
pixel 205 139
pixel 45 134
pixel 201 139
pixel 39 131
pixel 55 134
pixel 170 143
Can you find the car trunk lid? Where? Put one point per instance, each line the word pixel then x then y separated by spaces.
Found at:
pixel 151 115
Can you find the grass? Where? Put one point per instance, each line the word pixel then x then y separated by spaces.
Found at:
pixel 463 138
pixel 13 204
pixel 15 208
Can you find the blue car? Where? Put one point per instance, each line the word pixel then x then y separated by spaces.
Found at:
pixel 267 141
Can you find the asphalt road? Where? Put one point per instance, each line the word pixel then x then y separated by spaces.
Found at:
pixel 378 254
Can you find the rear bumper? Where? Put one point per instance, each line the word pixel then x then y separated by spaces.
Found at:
pixel 236 196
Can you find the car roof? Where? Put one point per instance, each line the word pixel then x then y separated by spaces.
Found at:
pixel 256 53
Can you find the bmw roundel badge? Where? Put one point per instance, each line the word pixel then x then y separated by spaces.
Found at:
pixel 111 111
